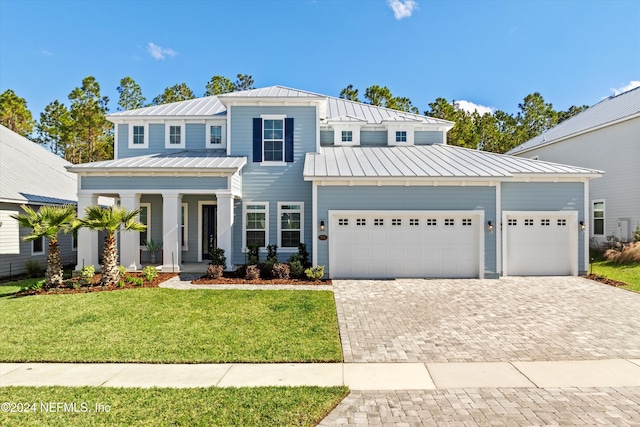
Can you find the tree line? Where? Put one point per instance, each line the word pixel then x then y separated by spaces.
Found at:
pixel 81 133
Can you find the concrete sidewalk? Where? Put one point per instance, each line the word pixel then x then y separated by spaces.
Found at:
pixel 358 376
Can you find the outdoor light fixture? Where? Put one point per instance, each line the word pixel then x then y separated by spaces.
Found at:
pixel 582 225
pixel 321 225
pixel 490 225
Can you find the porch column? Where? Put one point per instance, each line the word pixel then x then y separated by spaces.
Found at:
pixel 87 252
pixel 130 240
pixel 171 224
pixel 225 226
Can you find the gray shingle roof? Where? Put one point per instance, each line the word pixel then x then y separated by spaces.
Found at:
pixel 609 110
pixel 193 160
pixel 426 161
pixel 29 173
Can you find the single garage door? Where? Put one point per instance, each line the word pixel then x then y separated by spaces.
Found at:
pixel 540 244
pixel 386 244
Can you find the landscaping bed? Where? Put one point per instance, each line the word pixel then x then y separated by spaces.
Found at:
pixel 604 280
pixel 232 278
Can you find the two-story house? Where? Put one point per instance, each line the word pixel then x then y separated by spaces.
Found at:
pixel 372 192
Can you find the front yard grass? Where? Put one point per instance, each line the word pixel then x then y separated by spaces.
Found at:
pixel 627 273
pixel 171 326
pixel 261 406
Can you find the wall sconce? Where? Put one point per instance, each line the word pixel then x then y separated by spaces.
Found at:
pixel 582 225
pixel 490 225
pixel 321 225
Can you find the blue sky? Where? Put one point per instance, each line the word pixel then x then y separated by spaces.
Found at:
pixel 489 53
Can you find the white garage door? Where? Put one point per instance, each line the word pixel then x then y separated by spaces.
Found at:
pixel 385 244
pixel 540 244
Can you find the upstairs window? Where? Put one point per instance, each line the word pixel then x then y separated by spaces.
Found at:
pixel 215 135
pixel 138 136
pixel 174 135
pixel 347 136
pixel 273 139
pixel 401 136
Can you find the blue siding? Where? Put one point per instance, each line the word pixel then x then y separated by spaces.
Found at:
pixel 272 184
pixel 153 183
pixel 547 196
pixel 373 138
pixel 196 136
pixel 427 137
pixel 409 198
pixel 195 139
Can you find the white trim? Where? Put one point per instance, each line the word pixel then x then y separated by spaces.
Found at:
pixel 586 240
pixel 223 134
pixel 148 230
pixel 116 141
pixel 497 228
pixel 228 126
pixel 185 219
pixel 244 223
pixel 272 117
pixel 572 219
pixel 200 204
pixel 464 180
pixel 314 223
pixel 604 216
pixel 33 242
pixel 145 143
pixel 183 134
pixel 282 118
pixel 391 135
pixel 354 128
pixel 273 163
pixel 279 225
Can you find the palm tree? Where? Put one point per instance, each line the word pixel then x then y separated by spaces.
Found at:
pixel 48 222
pixel 110 220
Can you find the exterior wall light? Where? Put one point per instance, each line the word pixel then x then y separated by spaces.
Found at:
pixel 490 225
pixel 582 225
pixel 321 225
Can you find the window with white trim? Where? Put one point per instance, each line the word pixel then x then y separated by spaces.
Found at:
pixel 138 135
pixel 401 136
pixel 256 224
pixel 347 136
pixel 290 224
pixel 598 217
pixel 37 246
pixel 273 140
pixel 174 135
pixel 216 134
pixel 184 226
pixel 145 218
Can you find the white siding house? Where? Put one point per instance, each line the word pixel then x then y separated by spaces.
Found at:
pixel 605 137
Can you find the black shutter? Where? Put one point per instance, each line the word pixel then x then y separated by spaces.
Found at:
pixel 257 139
pixel 288 139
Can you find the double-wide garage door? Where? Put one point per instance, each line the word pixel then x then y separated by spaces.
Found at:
pixel 384 244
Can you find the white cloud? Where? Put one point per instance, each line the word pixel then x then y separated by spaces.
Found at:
pixel 632 85
pixel 46 53
pixel 470 107
pixel 159 52
pixel 402 8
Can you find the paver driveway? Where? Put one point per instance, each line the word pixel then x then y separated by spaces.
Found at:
pixel 510 319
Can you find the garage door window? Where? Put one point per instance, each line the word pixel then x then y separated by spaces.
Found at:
pixel 291 220
pixel 256 229
pixel 545 222
pixel 598 217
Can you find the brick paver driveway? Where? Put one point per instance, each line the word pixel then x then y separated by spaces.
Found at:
pixel 511 319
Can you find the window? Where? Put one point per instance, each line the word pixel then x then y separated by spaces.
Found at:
pixel 401 136
pixel 74 243
pixel 562 222
pixel 291 215
pixel 545 222
pixel 378 221
pixel 184 228
pixel 528 222
pixel 361 221
pixel 449 221
pixel 215 135
pixel 174 135
pixel 466 221
pixel 598 217
pixel 256 224
pixel 414 221
pixel 37 246
pixel 273 139
pixel 343 221
pixel 145 218
pixel 432 222
pixel 396 221
pixel 138 135
pixel 512 222
pixel 347 136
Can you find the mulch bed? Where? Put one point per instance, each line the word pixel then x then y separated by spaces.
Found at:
pixel 604 280
pixel 96 287
pixel 239 281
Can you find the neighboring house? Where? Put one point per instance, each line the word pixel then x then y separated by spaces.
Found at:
pixel 30 175
pixel 606 137
pixel 372 192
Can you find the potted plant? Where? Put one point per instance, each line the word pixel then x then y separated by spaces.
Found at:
pixel 153 249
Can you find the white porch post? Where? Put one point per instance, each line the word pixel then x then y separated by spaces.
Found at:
pixel 225 226
pixel 171 224
pixel 130 240
pixel 87 239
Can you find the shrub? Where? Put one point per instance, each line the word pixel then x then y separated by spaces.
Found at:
pixel 272 254
pixel 253 272
pixel 121 271
pixel 36 286
pixel 302 257
pixel 218 257
pixel 295 268
pixel 214 271
pixel 241 271
pixel 121 283
pixel 138 281
pixel 87 273
pixel 315 273
pixel 636 234
pixel 624 254
pixel 34 269
pixel 150 272
pixel 266 269
pixel 280 271
pixel 253 254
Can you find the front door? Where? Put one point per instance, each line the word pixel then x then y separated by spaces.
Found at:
pixel 209 240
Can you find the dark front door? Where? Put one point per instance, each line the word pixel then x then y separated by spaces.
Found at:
pixel 209 240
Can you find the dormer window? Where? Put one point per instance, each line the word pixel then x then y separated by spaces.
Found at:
pixel 138 135
pixel 347 136
pixel 401 136
pixel 174 135
pixel 216 134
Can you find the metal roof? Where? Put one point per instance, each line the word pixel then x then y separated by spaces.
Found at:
pixel 207 106
pixel 337 107
pixel 272 92
pixel 609 110
pixel 186 160
pixel 426 161
pixel 29 173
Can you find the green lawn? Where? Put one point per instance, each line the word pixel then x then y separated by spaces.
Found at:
pixel 171 326
pixel 13 287
pixel 627 273
pixel 261 406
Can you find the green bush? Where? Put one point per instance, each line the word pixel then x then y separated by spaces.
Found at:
pixel 295 268
pixel 302 257
pixel 87 273
pixel 266 268
pixel 218 257
pixel 121 271
pixel 272 254
pixel 315 273
pixel 150 272
pixel 34 269
pixel 35 286
pixel 253 254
